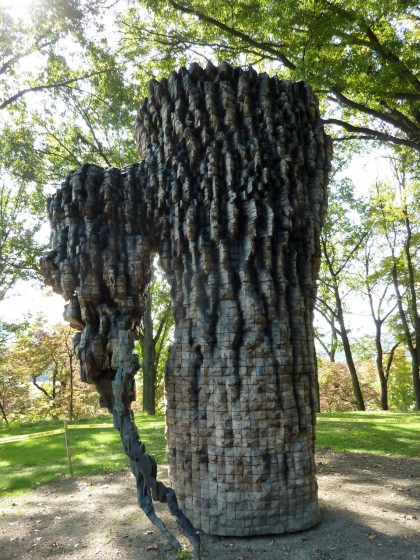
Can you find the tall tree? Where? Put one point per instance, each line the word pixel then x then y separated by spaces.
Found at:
pixel 19 223
pixel 380 309
pixel 395 206
pixel 360 56
pixel 340 243
pixel 64 100
pixel 154 340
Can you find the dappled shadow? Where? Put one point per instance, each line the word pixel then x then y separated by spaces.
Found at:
pixel 368 504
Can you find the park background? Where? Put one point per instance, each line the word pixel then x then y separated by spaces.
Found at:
pixel 72 74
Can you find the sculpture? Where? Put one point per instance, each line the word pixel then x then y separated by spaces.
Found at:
pixel 231 193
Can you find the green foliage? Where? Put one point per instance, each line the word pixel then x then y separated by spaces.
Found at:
pixel 184 555
pixel 401 391
pixel 335 386
pixel 360 57
pixel 39 376
pixel 155 339
pixel 380 433
pixel 40 456
pixel 19 251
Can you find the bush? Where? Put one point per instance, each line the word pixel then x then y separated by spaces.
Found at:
pixel 336 390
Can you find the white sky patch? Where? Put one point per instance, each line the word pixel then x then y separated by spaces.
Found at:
pixel 16 7
pixel 26 301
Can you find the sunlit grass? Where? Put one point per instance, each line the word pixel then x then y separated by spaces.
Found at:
pixel 381 433
pixel 40 456
pixel 95 447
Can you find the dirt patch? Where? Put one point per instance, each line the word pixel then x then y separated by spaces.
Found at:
pixel 370 505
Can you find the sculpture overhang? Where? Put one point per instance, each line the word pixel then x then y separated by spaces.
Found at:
pixel 231 194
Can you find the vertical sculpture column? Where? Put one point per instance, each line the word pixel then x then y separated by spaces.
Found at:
pixel 240 165
pixel 231 194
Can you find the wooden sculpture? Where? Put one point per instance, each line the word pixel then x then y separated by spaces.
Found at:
pixel 231 194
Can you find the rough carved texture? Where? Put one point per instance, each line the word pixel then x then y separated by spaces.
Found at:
pixel 231 195
pixel 100 263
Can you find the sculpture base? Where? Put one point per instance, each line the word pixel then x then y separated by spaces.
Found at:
pixel 258 520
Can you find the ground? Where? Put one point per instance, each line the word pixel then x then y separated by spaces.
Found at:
pixel 370 506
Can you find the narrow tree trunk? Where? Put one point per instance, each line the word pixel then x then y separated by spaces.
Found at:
pixel 149 361
pixel 415 368
pixel 333 346
pixel 360 404
pixel 54 383
pixel 380 365
pixel 3 413
pixel 414 311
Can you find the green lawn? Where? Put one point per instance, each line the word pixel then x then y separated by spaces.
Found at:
pixel 41 457
pixel 381 433
pixel 35 454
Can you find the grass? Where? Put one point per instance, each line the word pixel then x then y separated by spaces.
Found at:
pixel 35 454
pixel 380 433
pixel 40 457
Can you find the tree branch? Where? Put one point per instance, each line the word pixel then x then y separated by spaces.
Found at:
pixel 374 134
pixel 391 58
pixel 41 388
pixel 234 32
pixel 342 99
pixel 390 360
pixel 65 83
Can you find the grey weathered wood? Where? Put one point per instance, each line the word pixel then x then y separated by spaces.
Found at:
pixel 231 193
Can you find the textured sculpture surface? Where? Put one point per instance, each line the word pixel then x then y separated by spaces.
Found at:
pixel 231 193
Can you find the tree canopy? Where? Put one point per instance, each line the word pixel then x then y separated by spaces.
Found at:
pixel 361 57
pixel 72 73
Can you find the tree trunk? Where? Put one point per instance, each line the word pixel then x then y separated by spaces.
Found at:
pixel 380 366
pixel 414 310
pixel 360 404
pixel 149 360
pixel 415 368
pixel 54 383
pixel 333 345
pixel 3 413
pixel 413 347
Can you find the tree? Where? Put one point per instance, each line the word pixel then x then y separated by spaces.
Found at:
pixel 14 392
pixel 340 243
pixel 400 387
pixel 154 340
pixel 64 100
pixel 360 57
pixel 336 393
pixel 395 206
pixel 19 251
pixel 376 291
pixel 43 356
